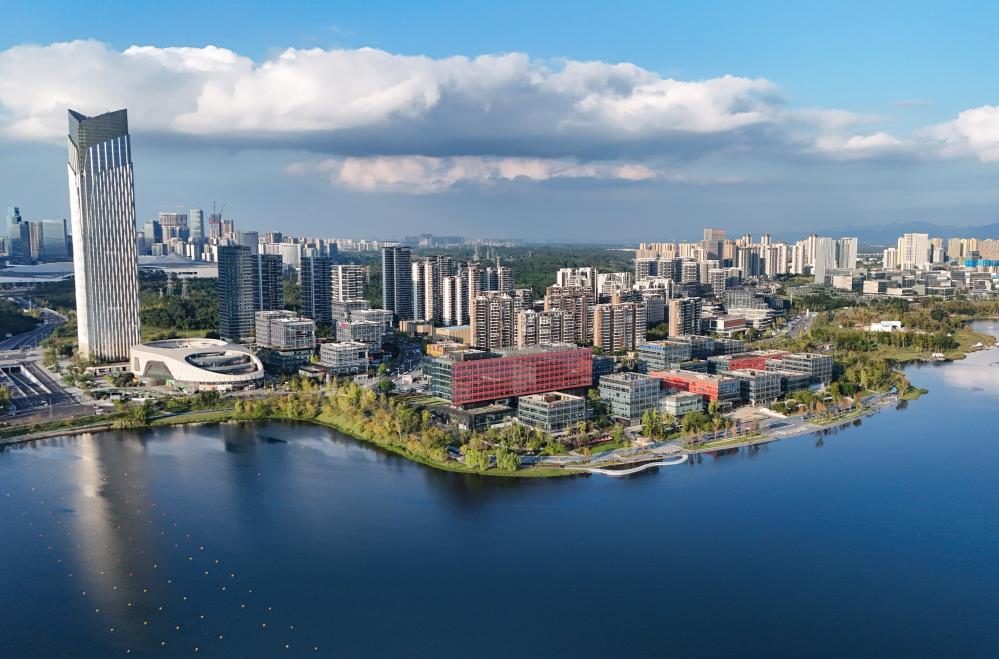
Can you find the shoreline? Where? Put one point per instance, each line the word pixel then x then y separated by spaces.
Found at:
pixel 343 426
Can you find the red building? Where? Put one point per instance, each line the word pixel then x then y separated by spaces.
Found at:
pixel 713 387
pixel 474 376
pixel 743 360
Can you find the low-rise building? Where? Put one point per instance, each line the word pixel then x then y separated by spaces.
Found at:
pixel 757 387
pixel 552 412
pixel 285 340
pixel 662 355
pixel 344 357
pixel 630 395
pixel 196 364
pixel 681 403
pixel 473 377
pixel 819 368
pixel 721 388
pixel 366 331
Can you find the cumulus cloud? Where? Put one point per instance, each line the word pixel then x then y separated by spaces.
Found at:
pixel 426 174
pixel 974 132
pixel 423 124
pixel 363 101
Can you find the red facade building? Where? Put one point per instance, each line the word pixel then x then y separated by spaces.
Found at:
pixel 713 387
pixel 470 377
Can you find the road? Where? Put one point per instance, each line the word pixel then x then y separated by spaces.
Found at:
pixel 31 338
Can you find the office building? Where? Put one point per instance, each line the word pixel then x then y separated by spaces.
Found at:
pixel 757 387
pixel 662 355
pixel 721 388
pixel 680 404
pixel 552 412
pixel 236 294
pixel 316 277
pixel 344 357
pixel 347 283
pixel 471 377
pixel 19 244
pixel 102 213
pixel 818 368
pixel 268 282
pixel 397 282
pixel 369 332
pixel 286 341
pixel 53 240
pixel 196 225
pixel 629 395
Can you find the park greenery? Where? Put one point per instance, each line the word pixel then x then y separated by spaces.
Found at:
pixel 14 320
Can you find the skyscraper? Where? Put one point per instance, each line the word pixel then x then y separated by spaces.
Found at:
pixel 317 293
pixel 196 224
pixel 268 282
pixel 397 281
pixel 235 292
pixel 102 210
pixel 53 240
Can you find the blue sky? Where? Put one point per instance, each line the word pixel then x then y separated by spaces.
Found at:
pixel 833 116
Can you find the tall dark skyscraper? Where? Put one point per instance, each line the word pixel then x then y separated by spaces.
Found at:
pixel 397 281
pixel 317 289
pixel 105 259
pixel 268 282
pixel 247 283
pixel 236 293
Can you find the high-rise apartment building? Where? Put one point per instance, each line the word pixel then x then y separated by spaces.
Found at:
pixel 397 281
pixel 534 327
pixel 102 211
pixel 454 300
pixel 316 284
pixel 685 316
pixel 889 259
pixel 582 277
pixel 347 283
pixel 619 326
pixel 914 251
pixel 427 295
pixel 492 316
pixel 713 243
pixel 579 302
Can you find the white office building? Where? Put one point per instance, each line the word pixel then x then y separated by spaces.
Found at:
pixel 102 211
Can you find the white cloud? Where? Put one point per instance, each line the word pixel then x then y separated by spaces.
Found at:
pixel 425 174
pixel 858 147
pixel 503 102
pixel 974 132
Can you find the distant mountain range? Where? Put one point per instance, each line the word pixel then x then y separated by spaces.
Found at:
pixel 887 234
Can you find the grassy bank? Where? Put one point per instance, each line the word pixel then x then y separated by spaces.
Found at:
pixel 338 422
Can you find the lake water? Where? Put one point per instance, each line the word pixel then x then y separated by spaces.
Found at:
pixel 291 540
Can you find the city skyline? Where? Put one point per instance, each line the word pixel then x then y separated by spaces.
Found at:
pixel 619 139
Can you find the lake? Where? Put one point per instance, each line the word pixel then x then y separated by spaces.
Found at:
pixel 292 540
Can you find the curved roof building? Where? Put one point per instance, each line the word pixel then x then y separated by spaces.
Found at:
pixel 196 364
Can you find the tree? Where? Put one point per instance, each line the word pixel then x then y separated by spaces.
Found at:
pixel 385 385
